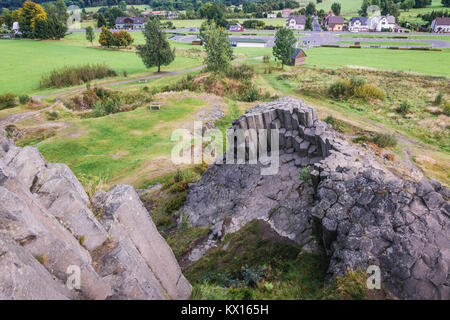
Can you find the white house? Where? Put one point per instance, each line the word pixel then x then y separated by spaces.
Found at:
pixel 358 24
pixel 440 25
pixel 383 23
pixel 271 15
pixel 296 22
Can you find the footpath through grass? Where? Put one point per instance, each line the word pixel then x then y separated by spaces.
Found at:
pixel 113 146
pixel 24 62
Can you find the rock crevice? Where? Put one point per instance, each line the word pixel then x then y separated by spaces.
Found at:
pixel 358 211
pixel 47 227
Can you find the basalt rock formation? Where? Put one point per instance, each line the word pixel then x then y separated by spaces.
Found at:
pixel 48 232
pixel 349 204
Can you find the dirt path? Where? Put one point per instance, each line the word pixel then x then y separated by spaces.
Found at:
pixel 153 76
pixel 14 118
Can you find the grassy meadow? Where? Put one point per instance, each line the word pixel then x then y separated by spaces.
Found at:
pixel 113 147
pixel 424 62
pixel 386 43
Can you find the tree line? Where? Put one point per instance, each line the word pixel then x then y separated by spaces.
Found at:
pixel 35 22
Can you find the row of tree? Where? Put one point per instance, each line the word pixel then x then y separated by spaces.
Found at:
pixel 219 53
pixel 37 22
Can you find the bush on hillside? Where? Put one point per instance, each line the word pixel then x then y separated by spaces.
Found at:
pixel 384 140
pixel 7 100
pixel 439 98
pixel 241 72
pixel 404 108
pixel 355 88
pixel 72 76
pixel 23 99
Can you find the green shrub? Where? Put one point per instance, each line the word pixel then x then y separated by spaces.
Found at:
pixel 178 177
pixel 404 108
pixel 251 95
pixel 339 89
pixel 241 72
pixel 350 286
pixel 71 76
pixel 305 175
pixel 101 108
pixel 355 87
pixel 384 140
pixel 24 99
pixel 7 100
pixel 337 125
pixel 52 115
pixel 367 92
pixel 447 109
pixel 439 98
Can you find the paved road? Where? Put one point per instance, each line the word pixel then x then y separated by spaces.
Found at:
pixel 316 25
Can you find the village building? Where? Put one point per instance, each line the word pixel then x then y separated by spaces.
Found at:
pixel 298 58
pixel 358 24
pixel 441 25
pixel 285 13
pixel 383 24
pixel 161 14
pixel 334 23
pixel 130 23
pixel 172 15
pixel 247 42
pixel 197 41
pixel 296 22
pixel 271 15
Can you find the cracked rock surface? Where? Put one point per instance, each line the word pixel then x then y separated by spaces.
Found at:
pixel 353 207
pixel 47 226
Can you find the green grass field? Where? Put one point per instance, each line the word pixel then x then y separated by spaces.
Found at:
pixel 25 61
pixel 392 36
pixel 426 62
pixel 350 8
pixel 117 144
pixel 386 43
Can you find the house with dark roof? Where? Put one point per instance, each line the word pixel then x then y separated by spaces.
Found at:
pixel 358 24
pixel 441 25
pixel 334 23
pixel 298 58
pixel 130 23
pixel 296 22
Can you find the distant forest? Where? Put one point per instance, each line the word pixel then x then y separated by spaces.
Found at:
pixel 157 4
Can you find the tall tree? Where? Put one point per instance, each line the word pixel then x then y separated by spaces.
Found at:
pixel 61 11
pixel 156 51
pixel 29 13
pixel 336 8
pixel 219 52
pixel 101 21
pixel 90 36
pixel 310 9
pixel 213 12
pixel 122 5
pixel 446 3
pixel 363 11
pixel 284 46
pixel 308 23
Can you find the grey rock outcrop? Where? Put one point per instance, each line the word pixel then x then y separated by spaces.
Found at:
pixel 358 211
pixel 47 227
